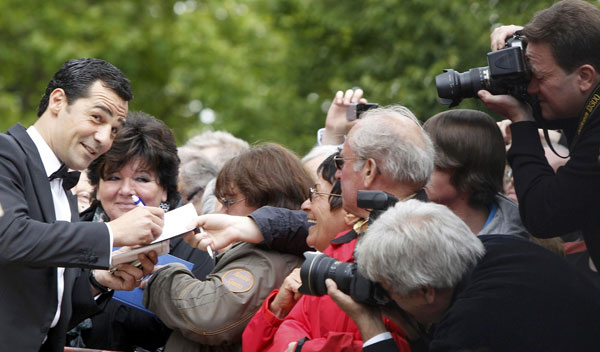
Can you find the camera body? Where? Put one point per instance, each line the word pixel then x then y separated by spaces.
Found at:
pixel 355 110
pixel 318 266
pixel 506 73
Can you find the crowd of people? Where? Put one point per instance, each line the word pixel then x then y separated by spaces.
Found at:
pixel 485 240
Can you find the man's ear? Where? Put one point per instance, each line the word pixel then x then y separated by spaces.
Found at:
pixel 428 293
pixel 370 172
pixel 57 101
pixel 587 77
pixel 349 219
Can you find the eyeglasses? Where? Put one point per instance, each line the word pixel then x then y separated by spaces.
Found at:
pixel 312 192
pixel 227 203
pixel 339 161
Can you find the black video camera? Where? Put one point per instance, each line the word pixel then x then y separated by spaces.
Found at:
pixel 318 266
pixel 506 73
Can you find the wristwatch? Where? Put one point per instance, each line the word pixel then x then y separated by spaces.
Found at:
pixel 103 289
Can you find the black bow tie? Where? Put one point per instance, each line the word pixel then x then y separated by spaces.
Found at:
pixel 70 179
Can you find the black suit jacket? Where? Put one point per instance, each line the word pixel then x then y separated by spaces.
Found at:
pixel 32 245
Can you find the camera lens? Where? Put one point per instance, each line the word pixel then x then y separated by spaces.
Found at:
pixel 452 86
pixel 317 267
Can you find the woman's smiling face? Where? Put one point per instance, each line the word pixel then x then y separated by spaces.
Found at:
pixel 116 188
pixel 327 223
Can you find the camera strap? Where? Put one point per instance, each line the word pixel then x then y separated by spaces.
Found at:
pixel 590 109
pixel 591 105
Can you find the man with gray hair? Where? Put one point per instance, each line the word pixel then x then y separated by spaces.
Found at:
pixel 483 293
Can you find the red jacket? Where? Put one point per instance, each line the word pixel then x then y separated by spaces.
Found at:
pixel 318 318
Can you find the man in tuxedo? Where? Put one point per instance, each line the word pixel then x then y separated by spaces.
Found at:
pixel 46 279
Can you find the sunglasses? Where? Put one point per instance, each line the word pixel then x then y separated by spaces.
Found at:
pixel 339 160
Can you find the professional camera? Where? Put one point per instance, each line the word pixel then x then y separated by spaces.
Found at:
pixel 317 267
pixel 506 73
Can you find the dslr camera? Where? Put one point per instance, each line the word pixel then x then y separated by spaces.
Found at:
pixel 506 73
pixel 318 266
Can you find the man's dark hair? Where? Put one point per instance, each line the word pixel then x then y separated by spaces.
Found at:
pixel 572 29
pixel 470 143
pixel 77 75
pixel 145 138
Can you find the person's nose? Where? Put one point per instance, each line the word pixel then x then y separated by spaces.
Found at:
pixel 104 137
pixel 306 205
pixel 127 187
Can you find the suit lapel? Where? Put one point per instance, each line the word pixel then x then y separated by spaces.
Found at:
pixel 38 173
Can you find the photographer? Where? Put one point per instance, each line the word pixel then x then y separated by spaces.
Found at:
pixel 484 293
pixel 563 54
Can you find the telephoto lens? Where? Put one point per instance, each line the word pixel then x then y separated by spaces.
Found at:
pixel 318 266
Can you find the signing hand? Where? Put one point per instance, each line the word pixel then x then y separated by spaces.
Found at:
pixel 140 225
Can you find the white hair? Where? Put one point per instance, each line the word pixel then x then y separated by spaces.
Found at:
pixel 319 150
pixel 416 244
pixel 194 175
pixel 230 146
pixel 209 200
pixel 398 157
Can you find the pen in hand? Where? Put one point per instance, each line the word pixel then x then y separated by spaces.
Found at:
pixel 140 203
pixel 208 249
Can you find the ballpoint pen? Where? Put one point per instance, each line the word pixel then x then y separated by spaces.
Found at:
pixel 208 249
pixel 140 203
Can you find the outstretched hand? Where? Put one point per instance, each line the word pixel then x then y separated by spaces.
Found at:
pixel 220 230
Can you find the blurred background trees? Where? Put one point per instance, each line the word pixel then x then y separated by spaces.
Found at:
pixel 264 70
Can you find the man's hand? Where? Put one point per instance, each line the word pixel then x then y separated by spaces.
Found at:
pixel 500 34
pixel 504 127
pixel 127 277
pixel 336 124
pixel 507 106
pixel 220 230
pixel 140 225
pixel 288 295
pixel 368 319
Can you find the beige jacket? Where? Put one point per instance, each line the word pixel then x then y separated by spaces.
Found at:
pixel 211 315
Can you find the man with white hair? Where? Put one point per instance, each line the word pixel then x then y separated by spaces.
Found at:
pixel 486 293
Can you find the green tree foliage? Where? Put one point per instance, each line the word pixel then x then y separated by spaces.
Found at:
pixel 265 70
